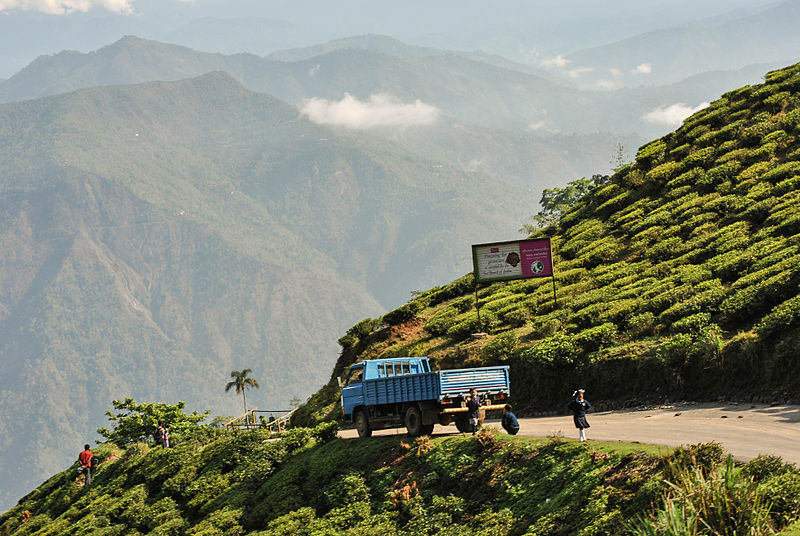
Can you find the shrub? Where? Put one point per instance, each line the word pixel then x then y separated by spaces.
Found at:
pixel 501 348
pixel 351 488
pixel 764 466
pixel 700 157
pixel 470 324
pixel 692 324
pixel 358 331
pixel 641 324
pixel 440 322
pixel 753 135
pixel 756 170
pixel 783 491
pixel 652 152
pixel 326 431
pixel 791 121
pixel 596 337
pixel 782 317
pixel 516 317
pixel 663 172
pixel 783 171
pixel 559 349
pixel 700 504
pixel 404 313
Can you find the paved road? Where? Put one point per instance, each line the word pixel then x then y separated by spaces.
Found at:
pixel 744 430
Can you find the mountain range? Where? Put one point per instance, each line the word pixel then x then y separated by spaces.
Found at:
pixel 473 88
pixel 160 235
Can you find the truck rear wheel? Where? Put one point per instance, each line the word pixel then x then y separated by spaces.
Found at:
pixel 362 424
pixel 427 429
pixel 463 425
pixel 414 421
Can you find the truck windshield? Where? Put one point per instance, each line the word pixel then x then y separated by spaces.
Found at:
pixel 356 375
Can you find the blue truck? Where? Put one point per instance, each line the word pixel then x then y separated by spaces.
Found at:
pixel 404 391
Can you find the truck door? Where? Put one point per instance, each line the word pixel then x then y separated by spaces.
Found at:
pixel 352 392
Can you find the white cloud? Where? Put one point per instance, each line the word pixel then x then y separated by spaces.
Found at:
pixel 615 72
pixel 577 71
pixel 559 61
pixel 61 7
pixel 606 84
pixel 381 110
pixel 643 68
pixel 672 115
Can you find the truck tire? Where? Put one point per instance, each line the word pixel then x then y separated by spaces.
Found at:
pixel 463 425
pixel 414 421
pixel 362 424
pixel 427 429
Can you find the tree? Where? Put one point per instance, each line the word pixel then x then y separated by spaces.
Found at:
pixel 136 422
pixel 241 382
pixel 556 202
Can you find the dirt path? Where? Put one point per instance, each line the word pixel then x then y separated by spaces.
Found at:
pixel 744 430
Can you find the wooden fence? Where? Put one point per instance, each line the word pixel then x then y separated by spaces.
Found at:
pixel 251 421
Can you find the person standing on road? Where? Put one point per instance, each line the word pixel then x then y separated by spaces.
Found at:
pixel 86 458
pixel 509 422
pixel 579 406
pixel 473 409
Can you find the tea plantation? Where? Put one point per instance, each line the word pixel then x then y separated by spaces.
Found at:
pixel 677 278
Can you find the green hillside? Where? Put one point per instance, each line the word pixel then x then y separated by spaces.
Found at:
pixel 678 277
pixel 216 482
pixel 160 235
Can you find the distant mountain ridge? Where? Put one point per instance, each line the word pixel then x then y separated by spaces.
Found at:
pixel 473 88
pixel 676 53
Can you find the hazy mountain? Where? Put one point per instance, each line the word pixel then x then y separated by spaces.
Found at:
pixel 376 43
pixel 158 236
pixel 471 88
pixel 672 54
pixel 523 31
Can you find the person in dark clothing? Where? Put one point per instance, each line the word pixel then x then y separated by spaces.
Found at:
pixel 86 458
pixel 509 422
pixel 579 406
pixel 473 409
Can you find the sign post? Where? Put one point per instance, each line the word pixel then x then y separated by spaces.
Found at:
pixel 516 259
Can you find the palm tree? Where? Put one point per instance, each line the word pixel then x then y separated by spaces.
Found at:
pixel 241 382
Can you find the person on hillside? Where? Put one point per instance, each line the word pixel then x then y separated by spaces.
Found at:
pixel 473 409
pixel 579 406
pixel 157 434
pixel 509 422
pixel 85 459
pixel 162 435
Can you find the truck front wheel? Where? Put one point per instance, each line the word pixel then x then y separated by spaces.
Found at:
pixel 362 424
pixel 414 421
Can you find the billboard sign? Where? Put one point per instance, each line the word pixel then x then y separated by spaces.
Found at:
pixel 518 259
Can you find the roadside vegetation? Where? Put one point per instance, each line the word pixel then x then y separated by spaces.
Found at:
pixel 309 482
